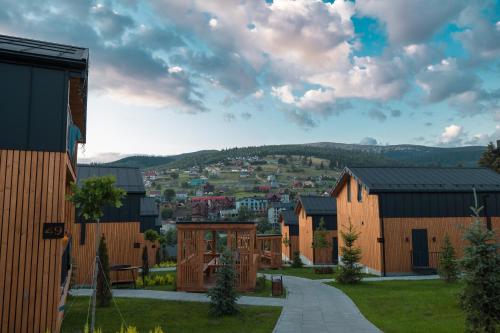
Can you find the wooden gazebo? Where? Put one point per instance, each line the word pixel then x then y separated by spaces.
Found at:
pixel 269 247
pixel 199 246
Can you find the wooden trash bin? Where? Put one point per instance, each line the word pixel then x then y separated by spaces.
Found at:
pixel 277 285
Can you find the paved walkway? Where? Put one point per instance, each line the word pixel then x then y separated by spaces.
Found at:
pixel 180 296
pixel 311 306
pixel 393 278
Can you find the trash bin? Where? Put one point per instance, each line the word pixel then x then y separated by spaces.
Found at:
pixel 277 285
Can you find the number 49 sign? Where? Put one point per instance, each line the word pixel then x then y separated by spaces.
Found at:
pixel 53 230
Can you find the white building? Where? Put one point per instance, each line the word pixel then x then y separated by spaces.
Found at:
pixel 256 205
pixel 274 211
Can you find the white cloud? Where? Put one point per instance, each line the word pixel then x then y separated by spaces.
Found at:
pixel 284 94
pixel 175 69
pixel 258 94
pixel 452 135
pixel 213 23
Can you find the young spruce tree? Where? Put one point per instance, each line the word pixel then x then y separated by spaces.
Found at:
pixel 103 281
pixel 480 298
pixel 349 271
pixel 223 295
pixel 297 262
pixel 448 266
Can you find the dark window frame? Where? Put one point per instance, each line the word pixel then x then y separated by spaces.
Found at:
pixel 349 190
pixel 360 192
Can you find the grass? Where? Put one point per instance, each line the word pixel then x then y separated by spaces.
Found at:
pixel 408 306
pixel 172 316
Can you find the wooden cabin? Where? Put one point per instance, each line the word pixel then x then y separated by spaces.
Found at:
pixel 289 224
pixel 43 103
pixel 311 210
pixel 122 227
pixel 403 214
pixel 199 247
pixel 269 247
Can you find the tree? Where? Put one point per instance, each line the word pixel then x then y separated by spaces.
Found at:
pixel 297 262
pixel 491 158
pixel 310 163
pixel 174 175
pixel 448 268
pixel 151 235
pixel 171 236
pixel 286 241
pixel 90 200
pixel 320 240
pixel 103 281
pixel 145 262
pixel 263 226
pixel 166 213
pixel 244 214
pixel 481 265
pixel 223 295
pixel 322 165
pixel 282 161
pixel 169 194
pixel 349 271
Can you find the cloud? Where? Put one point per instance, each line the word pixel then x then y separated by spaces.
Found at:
pixel 246 115
pixel 395 113
pixel 284 94
pixel 228 117
pixel 368 141
pixel 101 157
pixel 258 94
pixel 428 124
pixel 453 135
pixel 411 21
pixel 377 114
pixel 301 118
pixel 109 23
pixel 483 139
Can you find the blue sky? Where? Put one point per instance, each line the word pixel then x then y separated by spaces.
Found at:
pixel 173 76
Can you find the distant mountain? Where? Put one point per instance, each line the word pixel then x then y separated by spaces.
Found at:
pixel 339 153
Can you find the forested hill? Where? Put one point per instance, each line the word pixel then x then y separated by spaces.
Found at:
pixel 338 153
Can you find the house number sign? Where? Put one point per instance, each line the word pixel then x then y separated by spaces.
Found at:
pixel 53 230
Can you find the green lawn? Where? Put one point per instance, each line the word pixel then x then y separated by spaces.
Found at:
pixel 304 272
pixel 173 317
pixel 408 306
pixel 265 292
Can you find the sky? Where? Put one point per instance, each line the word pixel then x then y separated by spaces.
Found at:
pixel 174 76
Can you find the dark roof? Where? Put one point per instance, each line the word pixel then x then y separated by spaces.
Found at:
pixel 421 179
pixel 317 205
pixel 127 178
pixel 215 222
pixel 285 205
pixel 149 207
pixel 18 49
pixel 289 217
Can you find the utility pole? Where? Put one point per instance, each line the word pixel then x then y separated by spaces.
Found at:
pixel 94 278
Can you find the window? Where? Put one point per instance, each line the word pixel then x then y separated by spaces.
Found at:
pixel 360 192
pixel 349 190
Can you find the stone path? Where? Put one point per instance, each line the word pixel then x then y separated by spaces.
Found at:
pixel 314 307
pixel 180 296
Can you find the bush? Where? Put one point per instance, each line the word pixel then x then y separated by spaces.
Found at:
pixel 260 283
pixel 297 262
pixel 155 280
pixel 323 270
pixel 166 264
pixel 448 268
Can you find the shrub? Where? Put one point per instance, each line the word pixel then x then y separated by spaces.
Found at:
pixel 323 270
pixel 448 268
pixel 481 265
pixel 223 296
pixel 166 264
pixel 297 262
pixel 145 261
pixel 350 270
pixel 260 283
pixel 151 235
pixel 155 280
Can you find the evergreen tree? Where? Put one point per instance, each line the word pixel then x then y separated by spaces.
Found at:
pixel 448 267
pixel 297 262
pixel 320 240
pixel 491 158
pixel 350 270
pixel 480 298
pixel 145 262
pixel 103 281
pixel 223 295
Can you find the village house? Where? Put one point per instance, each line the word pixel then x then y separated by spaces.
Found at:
pixel 311 211
pixel 289 224
pixel 43 113
pixel 275 209
pixel 210 206
pixel 403 214
pixel 123 227
pixel 253 204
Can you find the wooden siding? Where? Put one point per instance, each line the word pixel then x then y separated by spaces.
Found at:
pixel 269 247
pixel 324 256
pixel 398 237
pixel 288 251
pixel 364 216
pixel 33 186
pixel 120 240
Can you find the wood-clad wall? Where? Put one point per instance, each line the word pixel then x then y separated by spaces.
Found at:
pixel 269 247
pixel 324 256
pixel 120 240
pixel 305 235
pixel 288 251
pixel 32 192
pixel 364 216
pixel 398 237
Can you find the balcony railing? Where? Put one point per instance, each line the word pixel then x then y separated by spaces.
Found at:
pixel 66 262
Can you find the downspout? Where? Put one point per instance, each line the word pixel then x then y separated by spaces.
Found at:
pixel 383 244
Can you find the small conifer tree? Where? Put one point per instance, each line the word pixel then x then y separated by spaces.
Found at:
pixel 223 295
pixel 448 267
pixel 320 240
pixel 350 270
pixel 297 262
pixel 481 265
pixel 145 262
pixel 103 282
